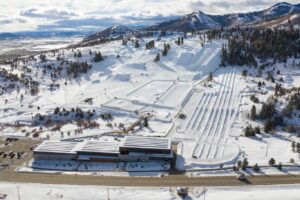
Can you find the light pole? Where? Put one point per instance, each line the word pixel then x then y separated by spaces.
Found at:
pixel 267 150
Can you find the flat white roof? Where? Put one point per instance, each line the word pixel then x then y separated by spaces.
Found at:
pixel 146 142
pixel 99 147
pixel 136 142
pixel 57 147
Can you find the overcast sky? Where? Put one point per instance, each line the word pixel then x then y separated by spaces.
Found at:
pixel 42 15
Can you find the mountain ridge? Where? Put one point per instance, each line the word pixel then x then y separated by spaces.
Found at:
pixel 199 21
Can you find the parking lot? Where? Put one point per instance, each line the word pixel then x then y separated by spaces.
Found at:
pixel 15 151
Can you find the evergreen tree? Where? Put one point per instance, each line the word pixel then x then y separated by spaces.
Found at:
pixel 271 162
pixel 244 164
pixel 146 122
pixel 298 147
pixel 268 126
pixel 257 130
pixel 249 131
pixel 279 166
pixel 267 111
pixel 234 168
pixel 157 58
pixel 245 73
pixel 259 85
pixel 224 56
pixel 239 163
pixel 210 76
pixel 166 49
pixel 124 42
pixel 256 168
pixel 56 110
pixel 293 146
pixel 178 41
pixel 253 113
pixel 137 44
pixel 150 44
pixel 254 99
pixel 98 57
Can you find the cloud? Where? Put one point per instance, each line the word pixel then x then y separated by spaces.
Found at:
pixel 11 21
pixel 99 14
pixel 6 21
pixel 47 13
pixel 149 19
pixel 229 6
pixel 222 5
pixel 249 4
pixel 86 24
pixel 196 4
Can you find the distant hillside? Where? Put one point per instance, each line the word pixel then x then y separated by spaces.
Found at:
pixel 195 21
pixel 277 15
pixel 41 34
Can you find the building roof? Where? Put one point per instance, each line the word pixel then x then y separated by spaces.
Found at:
pixel 57 147
pixel 146 143
pixel 99 147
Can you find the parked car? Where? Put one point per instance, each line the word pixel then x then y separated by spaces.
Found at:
pixel 182 192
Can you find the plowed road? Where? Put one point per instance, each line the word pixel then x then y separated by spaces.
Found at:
pixel 172 180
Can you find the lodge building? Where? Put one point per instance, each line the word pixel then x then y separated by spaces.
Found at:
pixel 131 148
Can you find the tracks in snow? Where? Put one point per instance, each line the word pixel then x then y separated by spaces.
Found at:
pixel 211 117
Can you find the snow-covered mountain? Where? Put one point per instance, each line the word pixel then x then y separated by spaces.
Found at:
pixel 280 9
pixel 280 15
pixel 113 31
pixel 281 22
pixel 194 21
pixel 277 14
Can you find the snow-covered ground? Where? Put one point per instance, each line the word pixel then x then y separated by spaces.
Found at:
pixel 132 82
pixel 129 84
pixel 11 47
pixel 210 112
pixel 15 191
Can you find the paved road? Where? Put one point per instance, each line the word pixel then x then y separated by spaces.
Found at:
pixel 171 181
pixel 10 175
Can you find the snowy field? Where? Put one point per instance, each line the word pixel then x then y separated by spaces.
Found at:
pixel 128 84
pixel 211 111
pixel 15 191
pixel 133 82
pixel 10 48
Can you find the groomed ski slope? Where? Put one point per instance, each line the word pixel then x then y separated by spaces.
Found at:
pixel 210 113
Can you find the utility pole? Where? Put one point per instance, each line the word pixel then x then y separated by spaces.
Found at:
pixel 19 198
pixel 108 194
pixel 204 192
